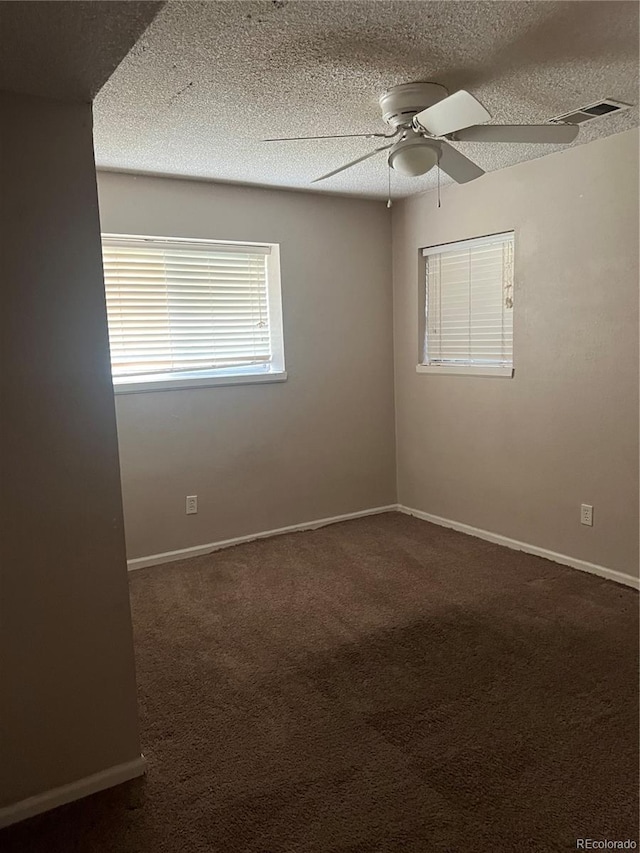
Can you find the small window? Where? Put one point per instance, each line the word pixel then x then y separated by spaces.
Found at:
pixel 469 307
pixel 188 313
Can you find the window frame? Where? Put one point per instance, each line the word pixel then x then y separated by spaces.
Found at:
pixel 434 369
pixel 226 376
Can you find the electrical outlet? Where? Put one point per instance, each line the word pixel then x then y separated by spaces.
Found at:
pixel 586 515
pixel 192 504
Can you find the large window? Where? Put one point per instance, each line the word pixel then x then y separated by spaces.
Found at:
pixel 469 307
pixel 185 313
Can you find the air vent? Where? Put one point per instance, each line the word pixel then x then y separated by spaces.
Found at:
pixel 597 110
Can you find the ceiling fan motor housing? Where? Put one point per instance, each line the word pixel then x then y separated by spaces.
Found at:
pixel 401 103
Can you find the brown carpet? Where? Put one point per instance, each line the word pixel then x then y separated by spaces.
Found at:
pixel 379 685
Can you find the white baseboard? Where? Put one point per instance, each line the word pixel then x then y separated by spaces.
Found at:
pixel 73 791
pixel 563 559
pixel 200 550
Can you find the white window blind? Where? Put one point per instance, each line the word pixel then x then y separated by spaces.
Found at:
pixel 185 307
pixel 469 303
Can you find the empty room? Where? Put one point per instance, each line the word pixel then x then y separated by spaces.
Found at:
pixel 320 426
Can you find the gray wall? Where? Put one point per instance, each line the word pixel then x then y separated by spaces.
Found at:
pixel 67 697
pixel 518 456
pixel 265 456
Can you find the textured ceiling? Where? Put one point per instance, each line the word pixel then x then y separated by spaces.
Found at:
pixel 67 49
pixel 208 80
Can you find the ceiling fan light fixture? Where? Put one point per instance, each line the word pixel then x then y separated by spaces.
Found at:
pixel 413 156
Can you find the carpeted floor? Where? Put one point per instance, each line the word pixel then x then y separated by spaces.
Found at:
pixel 374 686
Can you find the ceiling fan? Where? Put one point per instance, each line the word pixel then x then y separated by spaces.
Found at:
pixel 426 118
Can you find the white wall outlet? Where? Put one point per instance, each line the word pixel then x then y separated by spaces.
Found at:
pixel 192 504
pixel 586 515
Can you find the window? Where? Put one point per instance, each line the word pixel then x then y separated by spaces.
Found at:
pixel 187 313
pixel 469 307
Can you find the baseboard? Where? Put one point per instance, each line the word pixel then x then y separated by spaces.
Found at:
pixel 73 791
pixel 200 550
pixel 563 559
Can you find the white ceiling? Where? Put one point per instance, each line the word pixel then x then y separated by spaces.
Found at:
pixel 208 80
pixel 67 49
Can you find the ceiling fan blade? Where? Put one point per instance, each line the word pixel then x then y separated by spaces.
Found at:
pixel 558 133
pixel 457 166
pixel 453 113
pixel 335 136
pixel 352 163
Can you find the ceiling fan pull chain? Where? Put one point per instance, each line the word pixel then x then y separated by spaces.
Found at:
pixel 389 192
pixel 438 170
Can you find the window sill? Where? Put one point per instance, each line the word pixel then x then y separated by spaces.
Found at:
pixel 464 370
pixel 198 382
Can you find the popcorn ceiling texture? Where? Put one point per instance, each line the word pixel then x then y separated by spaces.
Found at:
pixel 208 80
pixel 67 50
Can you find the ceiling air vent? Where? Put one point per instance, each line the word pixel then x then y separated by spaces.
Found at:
pixel 597 110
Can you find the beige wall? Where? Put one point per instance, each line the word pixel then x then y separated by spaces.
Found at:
pixel 67 685
pixel 518 456
pixel 265 456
